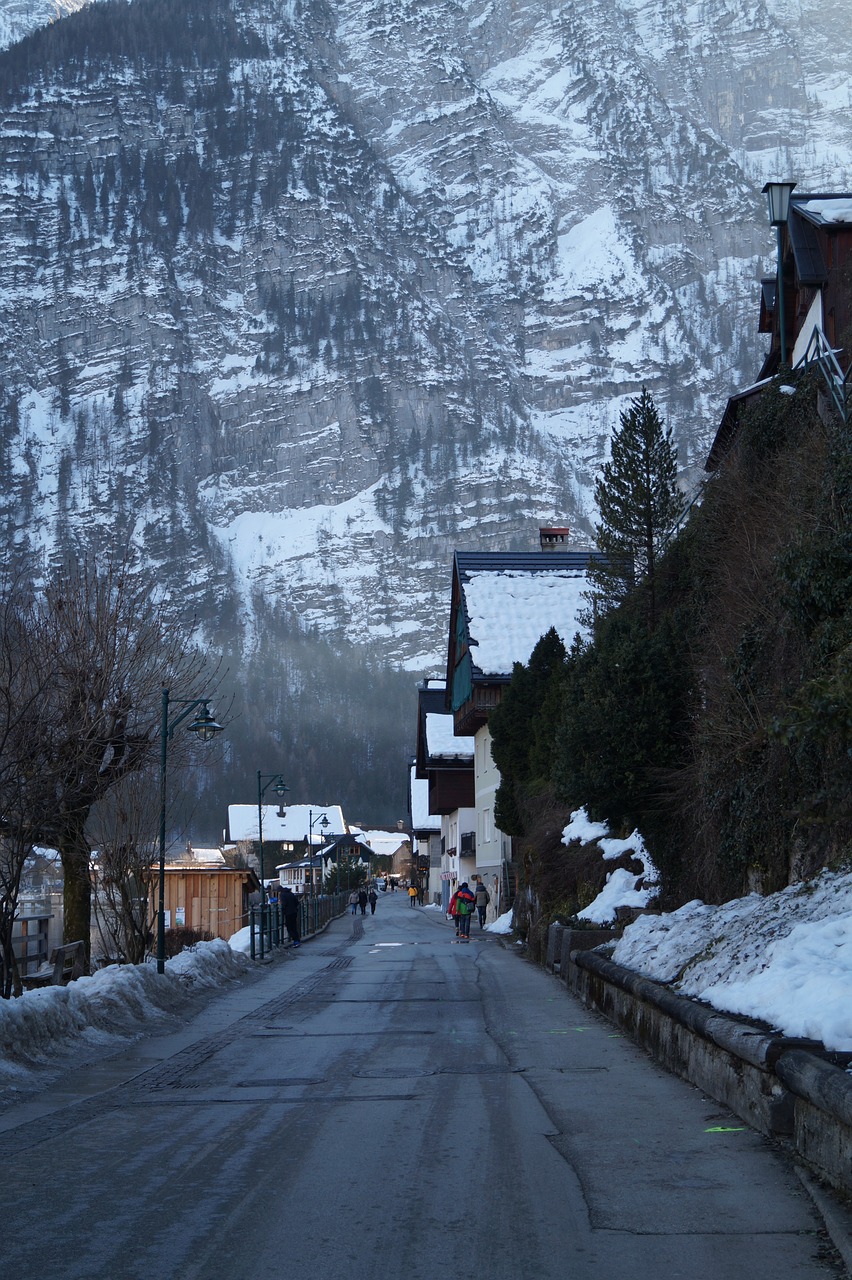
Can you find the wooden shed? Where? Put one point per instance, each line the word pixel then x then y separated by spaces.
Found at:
pixel 203 892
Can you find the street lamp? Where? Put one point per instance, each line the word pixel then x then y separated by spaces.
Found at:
pixel 778 198
pixel 321 820
pixel 204 727
pixel 275 781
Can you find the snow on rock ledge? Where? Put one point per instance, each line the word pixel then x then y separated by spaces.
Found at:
pixel 785 959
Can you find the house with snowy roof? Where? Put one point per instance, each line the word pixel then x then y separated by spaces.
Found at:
pixel 502 603
pixel 443 768
pixel 809 319
pixel 290 834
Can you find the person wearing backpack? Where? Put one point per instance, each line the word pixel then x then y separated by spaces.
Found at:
pixel 483 897
pixel 465 903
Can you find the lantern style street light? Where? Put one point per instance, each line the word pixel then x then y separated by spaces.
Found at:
pixel 204 727
pixel 276 782
pixel 778 198
pixel 320 820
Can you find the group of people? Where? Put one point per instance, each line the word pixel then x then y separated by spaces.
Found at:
pixel 360 898
pixel 463 903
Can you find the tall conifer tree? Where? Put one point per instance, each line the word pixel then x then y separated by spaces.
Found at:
pixel 639 503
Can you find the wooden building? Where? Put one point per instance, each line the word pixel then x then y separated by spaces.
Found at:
pixel 204 892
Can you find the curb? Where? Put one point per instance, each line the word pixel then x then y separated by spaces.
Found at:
pixel 787 1088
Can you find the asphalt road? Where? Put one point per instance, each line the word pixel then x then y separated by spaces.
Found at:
pixel 387 1104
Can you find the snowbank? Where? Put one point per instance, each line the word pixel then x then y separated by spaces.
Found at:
pixel 503 924
pixel 113 1004
pixel 785 960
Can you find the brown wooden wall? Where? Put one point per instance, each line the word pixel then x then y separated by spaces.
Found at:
pixel 215 901
pixel 451 789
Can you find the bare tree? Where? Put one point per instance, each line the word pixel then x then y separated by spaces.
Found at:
pixel 23 689
pixel 123 832
pixel 101 646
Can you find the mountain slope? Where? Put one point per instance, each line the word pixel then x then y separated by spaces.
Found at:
pixel 297 298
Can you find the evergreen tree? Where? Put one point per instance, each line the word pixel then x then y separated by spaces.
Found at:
pixel 639 503
pixel 522 730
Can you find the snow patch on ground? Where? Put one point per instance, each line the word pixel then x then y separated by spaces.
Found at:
pixel 503 924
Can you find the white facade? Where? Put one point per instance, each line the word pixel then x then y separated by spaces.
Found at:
pixel 489 839
pixel 456 866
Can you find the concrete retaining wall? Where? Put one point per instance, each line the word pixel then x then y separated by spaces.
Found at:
pixel 781 1086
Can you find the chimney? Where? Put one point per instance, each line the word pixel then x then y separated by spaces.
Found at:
pixel 553 538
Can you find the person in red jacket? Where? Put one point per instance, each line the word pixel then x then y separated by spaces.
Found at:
pixel 465 904
pixel 451 911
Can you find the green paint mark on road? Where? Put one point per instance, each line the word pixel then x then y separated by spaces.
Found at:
pixel 721 1128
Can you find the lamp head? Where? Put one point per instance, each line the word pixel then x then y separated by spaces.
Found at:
pixel 778 198
pixel 204 726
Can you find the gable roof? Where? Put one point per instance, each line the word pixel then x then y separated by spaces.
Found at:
pixel 511 599
pixel 502 604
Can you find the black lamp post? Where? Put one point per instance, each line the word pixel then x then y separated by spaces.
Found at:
pixel 778 198
pixel 275 781
pixel 206 728
pixel 321 820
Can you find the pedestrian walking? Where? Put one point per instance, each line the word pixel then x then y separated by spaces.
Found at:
pixel 290 907
pixel 412 895
pixel 362 901
pixel 483 897
pixel 452 910
pixel 353 901
pixel 374 897
pixel 465 903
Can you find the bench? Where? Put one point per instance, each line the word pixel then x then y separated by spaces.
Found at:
pixel 66 964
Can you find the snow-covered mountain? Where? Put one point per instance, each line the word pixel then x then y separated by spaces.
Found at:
pixel 298 297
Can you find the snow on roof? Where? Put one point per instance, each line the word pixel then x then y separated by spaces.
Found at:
pixel 440 740
pixel 834 209
pixel 242 822
pixel 386 842
pixel 509 611
pixel 421 818
pixel 198 857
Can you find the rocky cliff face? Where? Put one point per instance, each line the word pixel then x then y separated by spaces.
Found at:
pixel 298 297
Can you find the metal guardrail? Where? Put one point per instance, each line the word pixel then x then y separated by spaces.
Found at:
pixel 268 929
pixel 819 353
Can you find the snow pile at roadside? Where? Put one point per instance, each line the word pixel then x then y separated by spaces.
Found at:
pixel 503 924
pixel 785 959
pixel 241 941
pixel 114 1003
pixel 623 888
